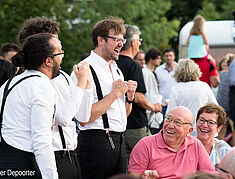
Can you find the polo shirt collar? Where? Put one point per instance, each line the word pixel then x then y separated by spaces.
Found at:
pixel 162 145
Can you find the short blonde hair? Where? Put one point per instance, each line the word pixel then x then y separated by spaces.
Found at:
pixel 186 70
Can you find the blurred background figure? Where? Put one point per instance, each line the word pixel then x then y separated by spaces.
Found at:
pixel 226 167
pixel 153 60
pixel 198 44
pixel 189 91
pixel 210 120
pixel 140 58
pixel 198 50
pixel 165 76
pixel 9 50
pixel 7 70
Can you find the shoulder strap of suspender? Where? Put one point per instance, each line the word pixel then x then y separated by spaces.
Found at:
pixel 100 96
pixel 5 94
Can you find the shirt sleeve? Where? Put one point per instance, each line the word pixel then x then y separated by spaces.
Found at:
pixel 84 112
pixel 213 71
pixel 41 122
pixel 139 158
pixel 69 98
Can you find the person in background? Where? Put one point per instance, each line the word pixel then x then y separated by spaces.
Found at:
pixel 198 50
pixel 210 119
pixel 165 76
pixel 173 152
pixel 231 75
pixel 28 116
pixel 198 44
pixel 8 50
pixel 137 122
pixel 189 91
pixel 153 60
pixel 140 58
pixel 226 167
pixel 7 70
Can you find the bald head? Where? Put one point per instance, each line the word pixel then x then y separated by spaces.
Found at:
pixel 185 112
pixel 228 163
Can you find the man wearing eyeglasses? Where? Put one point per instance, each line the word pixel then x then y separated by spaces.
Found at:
pixel 70 97
pixel 137 121
pixel 101 141
pixel 226 167
pixel 173 152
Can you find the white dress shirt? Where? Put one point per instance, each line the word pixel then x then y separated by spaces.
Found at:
pixel 28 118
pixel 72 102
pixel 193 95
pixel 117 111
pixel 166 81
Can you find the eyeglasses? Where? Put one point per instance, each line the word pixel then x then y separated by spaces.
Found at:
pixel 218 168
pixel 62 54
pixel 117 40
pixel 177 122
pixel 209 123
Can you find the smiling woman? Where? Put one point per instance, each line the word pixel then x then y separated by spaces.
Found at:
pixel 210 119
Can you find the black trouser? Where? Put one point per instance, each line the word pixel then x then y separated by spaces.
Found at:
pixel 97 158
pixel 15 163
pixel 232 103
pixel 67 165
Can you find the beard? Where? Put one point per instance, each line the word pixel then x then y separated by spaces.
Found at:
pixel 55 69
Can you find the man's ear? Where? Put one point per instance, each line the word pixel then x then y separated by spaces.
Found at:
pixel 49 61
pixel 100 40
pixel 190 130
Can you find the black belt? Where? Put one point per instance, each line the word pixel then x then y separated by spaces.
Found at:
pixel 99 132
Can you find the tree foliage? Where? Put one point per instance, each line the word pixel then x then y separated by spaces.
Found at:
pixel 158 20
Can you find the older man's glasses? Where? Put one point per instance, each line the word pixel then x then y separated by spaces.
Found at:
pixel 225 171
pixel 209 122
pixel 117 40
pixel 176 122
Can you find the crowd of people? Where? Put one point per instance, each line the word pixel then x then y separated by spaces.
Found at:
pixel 120 114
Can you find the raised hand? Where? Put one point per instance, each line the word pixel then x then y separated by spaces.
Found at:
pixel 82 73
pixel 119 87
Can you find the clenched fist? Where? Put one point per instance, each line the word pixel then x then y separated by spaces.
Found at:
pixel 82 73
pixel 119 87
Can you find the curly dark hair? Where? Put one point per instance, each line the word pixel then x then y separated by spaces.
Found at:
pixel 37 25
pixel 35 51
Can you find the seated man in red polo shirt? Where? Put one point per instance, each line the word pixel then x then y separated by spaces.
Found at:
pixel 173 152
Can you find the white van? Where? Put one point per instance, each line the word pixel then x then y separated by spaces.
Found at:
pixel 221 36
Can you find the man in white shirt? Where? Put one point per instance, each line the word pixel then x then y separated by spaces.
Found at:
pixel 69 99
pixel 165 76
pixel 153 59
pixel 101 141
pixel 29 110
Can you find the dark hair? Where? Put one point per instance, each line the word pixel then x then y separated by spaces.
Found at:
pixel 35 51
pixel 9 47
pixel 124 176
pixel 213 108
pixel 103 27
pixel 152 53
pixel 166 50
pixel 139 52
pixel 37 25
pixel 7 70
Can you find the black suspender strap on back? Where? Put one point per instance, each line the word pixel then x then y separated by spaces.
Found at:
pixel 100 96
pixel 64 77
pixel 5 94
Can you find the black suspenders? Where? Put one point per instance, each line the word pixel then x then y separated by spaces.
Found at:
pixel 5 94
pixel 100 96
